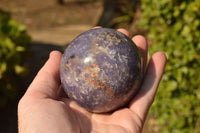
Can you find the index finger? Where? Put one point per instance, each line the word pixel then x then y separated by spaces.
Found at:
pixel 142 45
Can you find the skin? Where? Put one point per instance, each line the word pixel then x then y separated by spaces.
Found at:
pixel 45 107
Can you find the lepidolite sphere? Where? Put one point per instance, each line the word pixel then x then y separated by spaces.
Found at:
pixel 101 70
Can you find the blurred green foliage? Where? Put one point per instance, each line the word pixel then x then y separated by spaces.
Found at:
pixel 174 27
pixel 13 42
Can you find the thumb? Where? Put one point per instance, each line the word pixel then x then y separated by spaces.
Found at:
pixel 47 81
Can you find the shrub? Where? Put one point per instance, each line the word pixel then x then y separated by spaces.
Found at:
pixel 174 27
pixel 13 42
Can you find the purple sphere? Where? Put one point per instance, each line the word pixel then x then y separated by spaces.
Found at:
pixel 101 70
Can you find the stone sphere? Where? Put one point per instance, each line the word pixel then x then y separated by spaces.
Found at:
pixel 101 70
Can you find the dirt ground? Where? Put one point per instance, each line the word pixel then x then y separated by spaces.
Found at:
pixel 49 22
pixel 52 26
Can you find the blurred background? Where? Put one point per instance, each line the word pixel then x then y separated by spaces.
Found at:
pixel 30 29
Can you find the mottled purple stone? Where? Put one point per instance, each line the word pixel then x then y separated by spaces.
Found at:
pixel 101 70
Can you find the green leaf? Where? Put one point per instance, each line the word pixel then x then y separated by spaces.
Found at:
pixel 3 67
pixel 20 49
pixel 21 71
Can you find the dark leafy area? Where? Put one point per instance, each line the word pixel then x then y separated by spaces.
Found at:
pixel 13 43
pixel 174 27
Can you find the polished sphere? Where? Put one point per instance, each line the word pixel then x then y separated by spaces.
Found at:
pixel 101 70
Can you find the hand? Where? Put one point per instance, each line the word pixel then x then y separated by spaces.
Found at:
pixel 44 107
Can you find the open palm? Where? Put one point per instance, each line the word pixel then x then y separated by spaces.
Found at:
pixel 45 107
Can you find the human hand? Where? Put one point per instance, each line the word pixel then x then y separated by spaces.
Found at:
pixel 45 107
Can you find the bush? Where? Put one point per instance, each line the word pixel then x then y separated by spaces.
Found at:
pixel 174 27
pixel 13 42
